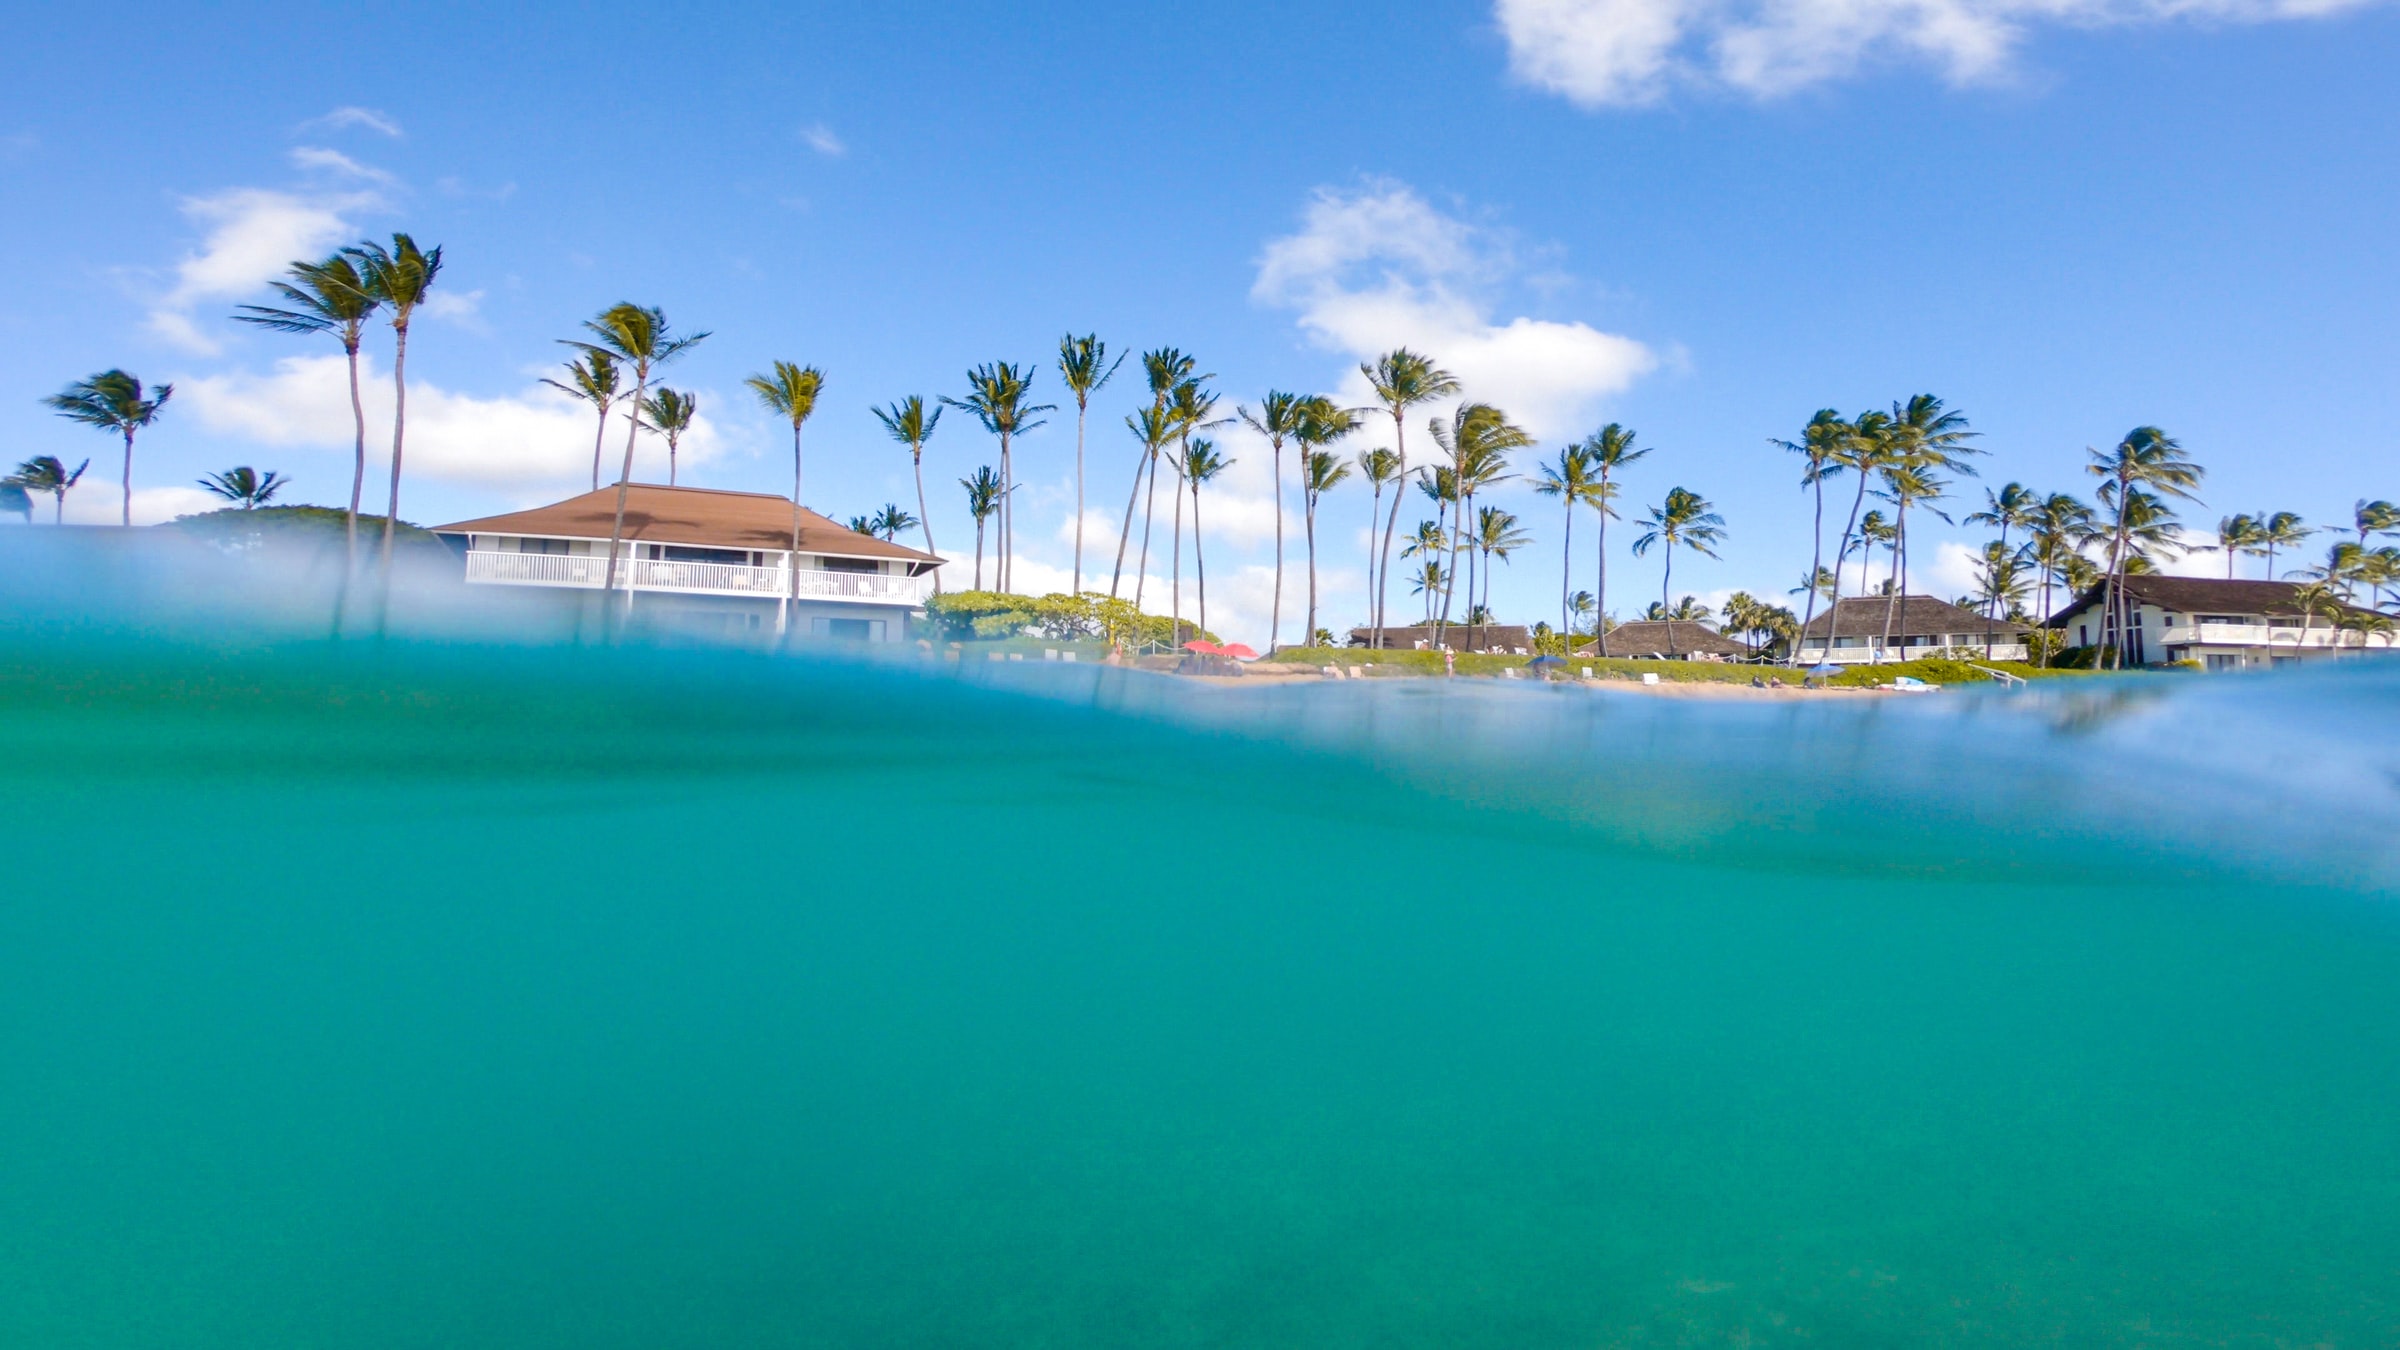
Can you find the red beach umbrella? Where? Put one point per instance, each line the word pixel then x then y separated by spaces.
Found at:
pixel 1239 652
pixel 1204 648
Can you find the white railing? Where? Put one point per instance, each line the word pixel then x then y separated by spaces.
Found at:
pixel 698 578
pixel 2266 635
pixel 1859 656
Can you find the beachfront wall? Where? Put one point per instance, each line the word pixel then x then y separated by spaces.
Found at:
pixel 2219 625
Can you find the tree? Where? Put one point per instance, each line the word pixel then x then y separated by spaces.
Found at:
pixel 2237 535
pixel 2150 464
pixel 1277 419
pixel 1685 519
pixel 332 298
pixel 911 423
pixel 1873 528
pixel 1906 487
pixel 1428 542
pixel 2000 586
pixel 1083 363
pixel 1201 462
pixel 1612 448
pixel 1381 468
pixel 46 473
pixel 996 395
pixel 1321 471
pixel 1571 480
pixel 791 393
pixel 1191 407
pixel 640 338
pixel 887 523
pixel 669 414
pixel 2312 598
pixel 113 401
pixel 1864 450
pixel 1477 437
pixel 14 501
pixel 2340 570
pixel 2374 518
pixel 1924 437
pixel 1402 380
pixel 2059 526
pixel 983 500
pixel 2282 530
pixel 1820 445
pixel 593 379
pixel 1164 368
pixel 1496 536
pixel 2009 508
pixel 246 487
pixel 398 279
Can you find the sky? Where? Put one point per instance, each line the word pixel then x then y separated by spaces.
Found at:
pixel 1704 219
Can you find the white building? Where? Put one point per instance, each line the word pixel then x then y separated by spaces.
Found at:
pixel 1872 629
pixel 2223 625
pixel 708 561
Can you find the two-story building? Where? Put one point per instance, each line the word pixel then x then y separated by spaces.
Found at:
pixel 2223 625
pixel 1872 629
pixel 706 561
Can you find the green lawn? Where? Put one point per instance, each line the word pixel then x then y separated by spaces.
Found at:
pixel 1416 663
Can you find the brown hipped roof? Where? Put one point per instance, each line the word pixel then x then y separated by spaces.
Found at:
pixel 703 517
pixel 1458 637
pixel 2196 595
pixel 1917 616
pixel 1644 636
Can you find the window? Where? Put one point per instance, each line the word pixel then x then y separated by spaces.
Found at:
pixel 851 565
pixel 848 630
pixel 544 546
pixel 2222 661
pixel 685 553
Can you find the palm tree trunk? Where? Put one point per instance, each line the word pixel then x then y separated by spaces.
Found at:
pixel 358 461
pixel 1391 523
pixel 1374 513
pixel 1275 610
pixel 1081 412
pixel 1891 593
pixel 792 579
pixel 925 518
pixel 1141 567
pixel 1666 584
pixel 1450 565
pixel 616 531
pixel 1308 508
pixel 399 429
pixel 1176 613
pixel 1008 513
pixel 1200 557
pixel 1566 576
pixel 1125 535
pixel 1833 603
pixel 1600 595
pixel 1816 555
pixel 126 507
pixel 599 439
pixel 979 553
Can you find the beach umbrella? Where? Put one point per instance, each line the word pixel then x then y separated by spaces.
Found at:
pixel 1825 668
pixel 1539 662
pixel 1238 652
pixel 1204 648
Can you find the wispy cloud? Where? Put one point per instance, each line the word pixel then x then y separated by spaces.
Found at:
pixel 317 159
pixel 345 117
pixel 251 235
pixel 1602 53
pixel 821 139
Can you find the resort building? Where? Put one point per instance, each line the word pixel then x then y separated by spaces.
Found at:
pixel 1871 629
pixel 1505 638
pixel 706 561
pixel 1681 639
pixel 2222 625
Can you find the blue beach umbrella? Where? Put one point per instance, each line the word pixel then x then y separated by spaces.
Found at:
pixel 1825 668
pixel 1541 661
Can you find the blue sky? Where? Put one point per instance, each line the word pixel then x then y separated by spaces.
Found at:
pixel 2066 217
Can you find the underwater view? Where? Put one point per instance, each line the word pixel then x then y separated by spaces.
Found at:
pixel 459 992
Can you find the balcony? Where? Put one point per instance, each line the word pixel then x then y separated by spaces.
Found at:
pixel 1881 655
pixel 2292 638
pixel 692 578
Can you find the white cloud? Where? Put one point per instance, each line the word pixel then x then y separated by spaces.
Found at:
pixel 464 308
pixel 821 139
pixel 1378 267
pixel 252 235
pixel 1601 53
pixel 98 501
pixel 341 118
pixel 318 159
pixel 534 442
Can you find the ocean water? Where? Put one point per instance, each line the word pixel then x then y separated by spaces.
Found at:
pixel 463 994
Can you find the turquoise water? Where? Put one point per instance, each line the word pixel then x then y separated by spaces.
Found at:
pixel 444 994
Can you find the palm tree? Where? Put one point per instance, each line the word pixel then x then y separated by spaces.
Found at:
pixel 1581 605
pixel 2009 508
pixel 2340 570
pixel 331 298
pixel 113 401
pixel 1925 437
pixel 1873 528
pixel 1083 362
pixel 1570 479
pixel 889 522
pixel 2058 526
pixel 593 379
pixel 1277 418
pixel 1191 407
pixel 1428 542
pixel 1496 536
pixel 1820 444
pixel 996 394
pixel 1380 467
pixel 46 473
pixel 1477 437
pixel 2147 463
pixel 1863 450
pixel 983 500
pixel 1165 368
pixel 1321 471
pixel 398 278
pixel 14 501
pixel 1201 462
pixel 1611 449
pixel 789 392
pixel 2312 598
pixel 911 423
pixel 2375 518
pixel 246 487
pixel 2284 529
pixel 2237 535
pixel 1401 379
pixel 2000 586
pixel 1745 614
pixel 2380 570
pixel 640 338
pixel 1904 487
pixel 1683 518
pixel 669 414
